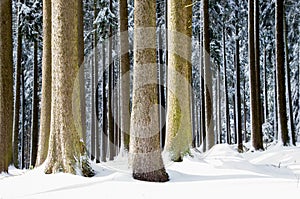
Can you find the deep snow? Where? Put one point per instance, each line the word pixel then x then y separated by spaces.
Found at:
pixel 220 172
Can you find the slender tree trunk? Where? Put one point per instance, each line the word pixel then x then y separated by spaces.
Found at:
pixel 35 108
pixel 81 69
pixel 179 126
pixel 6 85
pixel 266 115
pixel 288 84
pixel 226 101
pixel 124 77
pixel 17 101
pixel 254 87
pixel 66 150
pixel 238 86
pixel 23 136
pixel 280 75
pixel 46 85
pixel 209 120
pixel 104 136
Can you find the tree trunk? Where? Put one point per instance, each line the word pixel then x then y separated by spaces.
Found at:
pixel 17 101
pixel 179 126
pixel 288 84
pixel 209 120
pixel 280 75
pixel 266 115
pixel 254 87
pixel 226 101
pixel 238 86
pixel 145 149
pixel 35 108
pixel 46 85
pixel 6 85
pixel 124 77
pixel 66 150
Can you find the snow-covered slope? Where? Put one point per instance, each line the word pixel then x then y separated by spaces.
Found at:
pixel 221 172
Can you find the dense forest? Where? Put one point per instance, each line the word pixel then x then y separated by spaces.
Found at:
pixel 91 80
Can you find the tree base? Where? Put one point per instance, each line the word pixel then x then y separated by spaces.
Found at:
pixel 154 176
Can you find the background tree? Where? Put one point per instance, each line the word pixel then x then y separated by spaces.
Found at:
pixel 6 84
pixel 280 75
pixel 145 149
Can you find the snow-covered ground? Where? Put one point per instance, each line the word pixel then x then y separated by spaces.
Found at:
pixel 220 172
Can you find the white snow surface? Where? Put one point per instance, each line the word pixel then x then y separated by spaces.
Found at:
pixel 221 172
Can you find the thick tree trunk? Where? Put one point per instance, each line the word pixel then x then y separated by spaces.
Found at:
pixel 179 126
pixel 145 149
pixel 66 150
pixel 124 77
pixel 46 85
pixel 280 75
pixel 6 85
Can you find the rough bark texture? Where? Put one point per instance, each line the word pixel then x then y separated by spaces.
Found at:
pixel 66 149
pixel 254 94
pixel 280 75
pixel 46 85
pixel 124 76
pixel 6 85
pixel 145 149
pixel 179 124
pixel 209 122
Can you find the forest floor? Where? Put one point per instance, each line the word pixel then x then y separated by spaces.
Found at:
pixel 221 172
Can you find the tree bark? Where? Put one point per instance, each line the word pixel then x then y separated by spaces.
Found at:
pixel 254 87
pixel 226 101
pixel 35 108
pixel 46 85
pixel 6 85
pixel 66 149
pixel 17 100
pixel 209 120
pixel 124 77
pixel 179 126
pixel 280 74
pixel 145 149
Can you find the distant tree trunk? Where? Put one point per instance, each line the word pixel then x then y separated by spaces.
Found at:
pixel 209 120
pixel 245 111
pixel 280 74
pixel 179 126
pixel 104 137
pixel 35 108
pixel 110 105
pixel 254 87
pixel 145 149
pixel 23 136
pixel 46 85
pixel 17 101
pixel 124 76
pixel 161 92
pixel 6 85
pixel 219 106
pixel 226 101
pixel 202 100
pixel 266 115
pixel 66 150
pixel 238 86
pixel 275 106
pixel 288 84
